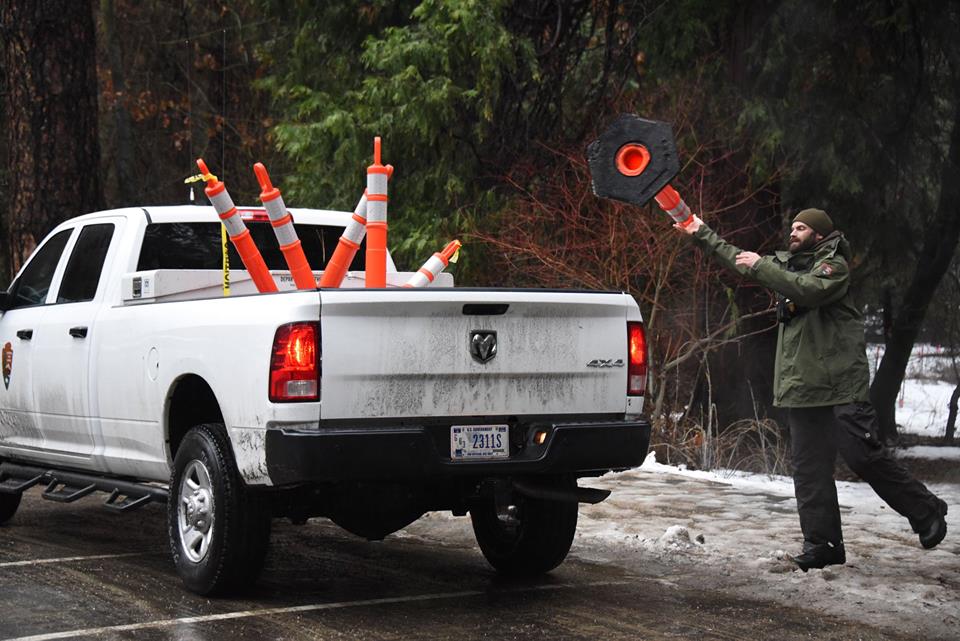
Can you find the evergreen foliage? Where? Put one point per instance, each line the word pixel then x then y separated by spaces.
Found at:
pixel 485 108
pixel 428 81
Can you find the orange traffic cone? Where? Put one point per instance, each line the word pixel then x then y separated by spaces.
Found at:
pixel 434 265
pixel 216 191
pixel 282 223
pixel 376 263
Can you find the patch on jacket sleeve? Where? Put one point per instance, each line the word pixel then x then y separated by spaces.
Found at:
pixel 824 270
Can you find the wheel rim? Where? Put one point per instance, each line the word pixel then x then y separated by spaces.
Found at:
pixel 196 511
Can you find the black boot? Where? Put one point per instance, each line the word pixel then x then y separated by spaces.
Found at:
pixel 819 556
pixel 936 528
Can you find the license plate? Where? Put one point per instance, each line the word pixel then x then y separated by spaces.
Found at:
pixel 470 442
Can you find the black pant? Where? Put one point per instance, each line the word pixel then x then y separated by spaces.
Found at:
pixel 817 433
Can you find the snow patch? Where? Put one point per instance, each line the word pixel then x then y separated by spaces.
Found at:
pixel 676 537
pixel 930 452
pixel 923 402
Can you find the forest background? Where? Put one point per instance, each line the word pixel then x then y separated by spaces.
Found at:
pixel 485 108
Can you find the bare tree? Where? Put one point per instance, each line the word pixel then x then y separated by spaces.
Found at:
pixel 556 233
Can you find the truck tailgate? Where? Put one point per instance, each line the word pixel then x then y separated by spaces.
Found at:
pixel 407 353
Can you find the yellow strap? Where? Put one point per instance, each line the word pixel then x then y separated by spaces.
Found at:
pixel 198 177
pixel 455 256
pixel 226 259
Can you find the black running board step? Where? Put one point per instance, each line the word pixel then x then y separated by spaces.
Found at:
pixel 121 502
pixel 66 486
pixel 14 485
pixel 553 493
pixel 60 492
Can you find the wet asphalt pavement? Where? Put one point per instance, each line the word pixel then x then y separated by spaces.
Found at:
pixel 78 571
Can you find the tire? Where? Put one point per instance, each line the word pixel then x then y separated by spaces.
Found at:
pixel 8 506
pixel 218 531
pixel 536 543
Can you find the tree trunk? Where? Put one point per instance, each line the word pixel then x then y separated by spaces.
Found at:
pixel 5 275
pixel 119 145
pixel 952 417
pixel 939 245
pixel 49 65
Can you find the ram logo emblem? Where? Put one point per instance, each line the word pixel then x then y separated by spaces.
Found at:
pixel 483 345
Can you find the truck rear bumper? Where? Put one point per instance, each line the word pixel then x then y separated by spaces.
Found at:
pixel 422 452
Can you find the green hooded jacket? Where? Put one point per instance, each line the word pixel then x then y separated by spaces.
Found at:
pixel 821 351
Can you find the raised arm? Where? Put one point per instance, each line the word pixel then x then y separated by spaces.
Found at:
pixel 712 245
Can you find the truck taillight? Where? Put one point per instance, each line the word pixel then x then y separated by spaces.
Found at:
pixel 254 215
pixel 295 363
pixel 637 351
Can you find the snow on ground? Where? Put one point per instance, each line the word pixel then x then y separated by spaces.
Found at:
pixel 733 532
pixel 924 408
pixel 739 529
pixel 930 452
pixel 923 403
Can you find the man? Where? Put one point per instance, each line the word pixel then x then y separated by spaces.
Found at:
pixel 821 377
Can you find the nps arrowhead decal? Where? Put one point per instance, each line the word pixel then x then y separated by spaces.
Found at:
pixel 7 364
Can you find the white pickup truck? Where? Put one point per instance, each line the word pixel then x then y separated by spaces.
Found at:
pixel 127 370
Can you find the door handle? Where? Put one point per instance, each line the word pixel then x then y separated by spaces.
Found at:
pixel 78 332
pixel 25 334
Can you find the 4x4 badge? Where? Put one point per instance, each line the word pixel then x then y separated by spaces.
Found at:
pixel 7 364
pixel 483 345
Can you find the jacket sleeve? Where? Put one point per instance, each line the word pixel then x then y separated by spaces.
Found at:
pixel 825 283
pixel 721 251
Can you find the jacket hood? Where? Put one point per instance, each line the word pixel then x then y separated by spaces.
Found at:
pixel 835 242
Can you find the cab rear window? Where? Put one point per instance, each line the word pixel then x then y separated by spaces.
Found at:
pixel 83 273
pixel 198 246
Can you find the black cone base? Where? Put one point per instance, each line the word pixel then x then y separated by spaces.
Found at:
pixel 610 182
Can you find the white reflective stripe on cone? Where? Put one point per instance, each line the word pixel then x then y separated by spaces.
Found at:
pixel 376 183
pixel 417 280
pixel 234 224
pixel 679 213
pixel 275 208
pixel 286 234
pixel 376 197
pixel 221 202
pixel 434 265
pixel 354 232
pixel 376 211
pixel 357 227
pixel 428 273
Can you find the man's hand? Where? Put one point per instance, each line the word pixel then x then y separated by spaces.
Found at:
pixel 691 227
pixel 747 259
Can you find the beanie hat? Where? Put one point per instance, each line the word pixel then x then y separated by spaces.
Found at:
pixel 815 219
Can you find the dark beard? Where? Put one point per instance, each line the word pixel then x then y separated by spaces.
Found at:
pixel 803 245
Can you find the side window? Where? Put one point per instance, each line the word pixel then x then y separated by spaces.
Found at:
pixel 31 288
pixel 82 275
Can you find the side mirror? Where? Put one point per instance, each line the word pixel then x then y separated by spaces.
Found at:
pixel 6 301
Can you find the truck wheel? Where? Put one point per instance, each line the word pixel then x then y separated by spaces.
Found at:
pixel 534 539
pixel 8 506
pixel 218 530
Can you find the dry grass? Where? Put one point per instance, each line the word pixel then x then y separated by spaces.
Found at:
pixel 749 445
